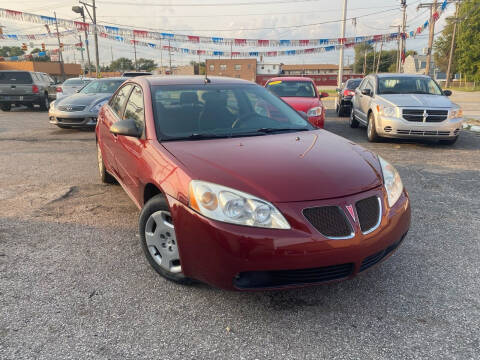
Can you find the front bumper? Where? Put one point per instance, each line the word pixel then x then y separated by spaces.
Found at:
pixel 234 257
pixel 21 99
pixel 74 119
pixel 401 128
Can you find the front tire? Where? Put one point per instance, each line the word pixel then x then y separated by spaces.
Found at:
pixel 159 241
pixel 6 107
pixel 371 130
pixel 44 103
pixel 353 121
pixel 105 177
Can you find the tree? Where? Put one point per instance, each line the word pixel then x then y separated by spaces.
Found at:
pixel 146 64
pixel 7 51
pixel 40 58
pixel 467 53
pixel 121 64
pixel 441 48
pixel 360 50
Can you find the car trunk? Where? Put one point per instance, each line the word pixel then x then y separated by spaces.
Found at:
pixel 15 83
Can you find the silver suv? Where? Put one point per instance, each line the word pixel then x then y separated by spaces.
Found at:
pixel 26 88
pixel 405 106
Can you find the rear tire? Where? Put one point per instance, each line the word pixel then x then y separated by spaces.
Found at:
pixel 105 177
pixel 158 239
pixel 44 103
pixel 371 130
pixel 5 107
pixel 449 141
pixel 353 121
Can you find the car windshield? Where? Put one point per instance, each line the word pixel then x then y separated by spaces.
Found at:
pixel 208 111
pixel 75 82
pixel 101 86
pixel 408 85
pixel 292 88
pixel 353 84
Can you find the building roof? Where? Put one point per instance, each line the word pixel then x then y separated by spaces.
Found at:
pixel 314 67
pixel 192 80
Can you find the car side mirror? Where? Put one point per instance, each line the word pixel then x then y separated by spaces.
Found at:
pixel 303 114
pixel 367 92
pixel 127 127
pixel 447 92
pixel 323 95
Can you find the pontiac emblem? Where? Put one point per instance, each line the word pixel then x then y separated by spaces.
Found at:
pixel 351 212
pixel 425 115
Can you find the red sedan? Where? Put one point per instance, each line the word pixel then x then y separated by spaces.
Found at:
pixel 237 190
pixel 301 94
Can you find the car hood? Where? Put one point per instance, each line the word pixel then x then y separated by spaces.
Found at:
pixel 418 100
pixel 287 167
pixel 82 99
pixel 301 103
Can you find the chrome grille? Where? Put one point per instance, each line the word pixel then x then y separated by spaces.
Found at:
pixel 71 107
pixel 423 133
pixel 416 115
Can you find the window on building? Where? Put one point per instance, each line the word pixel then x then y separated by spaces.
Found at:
pixel 237 76
pixel 249 66
pixel 238 67
pixel 211 67
pixel 274 67
pixel 223 67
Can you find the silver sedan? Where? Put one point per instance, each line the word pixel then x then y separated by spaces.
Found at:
pixel 405 106
pixel 80 110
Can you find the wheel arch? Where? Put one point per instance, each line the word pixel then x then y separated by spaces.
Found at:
pixel 150 190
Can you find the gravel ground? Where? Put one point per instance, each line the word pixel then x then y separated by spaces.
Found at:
pixel 74 283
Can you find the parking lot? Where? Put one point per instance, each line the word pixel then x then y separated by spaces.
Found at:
pixel 74 282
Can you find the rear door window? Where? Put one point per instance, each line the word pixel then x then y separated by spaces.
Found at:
pixel 118 101
pixel 15 77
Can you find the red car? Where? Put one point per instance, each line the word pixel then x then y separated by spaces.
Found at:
pixel 237 190
pixel 301 94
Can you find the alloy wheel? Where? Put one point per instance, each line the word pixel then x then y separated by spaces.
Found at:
pixel 162 242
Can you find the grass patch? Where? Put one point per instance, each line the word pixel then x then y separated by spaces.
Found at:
pixel 467 89
pixel 330 92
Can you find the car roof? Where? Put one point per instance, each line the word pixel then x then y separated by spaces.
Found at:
pixel 291 78
pixel 192 80
pixel 113 78
pixel 401 75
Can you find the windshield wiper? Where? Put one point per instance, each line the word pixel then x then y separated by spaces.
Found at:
pixel 272 130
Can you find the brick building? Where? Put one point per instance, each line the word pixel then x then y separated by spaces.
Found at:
pixel 237 68
pixel 51 68
pixel 315 69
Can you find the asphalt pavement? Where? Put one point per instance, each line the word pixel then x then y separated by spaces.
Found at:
pixel 74 283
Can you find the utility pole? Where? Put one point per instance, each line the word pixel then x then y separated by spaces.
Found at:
pixel 398 46
pixel 379 57
pixel 95 34
pixel 431 31
pixel 161 56
pixel 170 57
pixel 60 55
pixel 365 60
pixel 374 56
pixel 80 10
pixel 403 36
pixel 452 46
pixel 81 53
pixel 111 52
pixel 342 46
pixel 135 51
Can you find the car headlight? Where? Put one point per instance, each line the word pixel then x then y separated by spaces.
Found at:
pixel 315 111
pixel 52 105
pixel 96 108
pixel 392 181
pixel 232 206
pixel 455 113
pixel 390 111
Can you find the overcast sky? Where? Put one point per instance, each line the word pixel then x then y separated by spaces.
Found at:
pixel 226 18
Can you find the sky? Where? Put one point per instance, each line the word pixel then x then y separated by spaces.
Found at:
pixel 263 19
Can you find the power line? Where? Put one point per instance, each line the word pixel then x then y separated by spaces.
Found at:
pixel 265 28
pixel 208 4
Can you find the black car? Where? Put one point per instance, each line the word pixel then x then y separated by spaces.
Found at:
pixel 136 73
pixel 344 99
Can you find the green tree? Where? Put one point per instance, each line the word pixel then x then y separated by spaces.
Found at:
pixel 40 58
pixel 121 64
pixel 360 50
pixel 6 51
pixel 467 53
pixel 146 64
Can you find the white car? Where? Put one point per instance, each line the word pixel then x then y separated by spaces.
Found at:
pixel 71 86
pixel 405 106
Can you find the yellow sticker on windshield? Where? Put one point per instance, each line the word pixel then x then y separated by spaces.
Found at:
pixel 275 82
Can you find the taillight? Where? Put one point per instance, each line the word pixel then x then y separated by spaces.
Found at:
pixel 348 92
pixel 58 89
pixel 35 89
